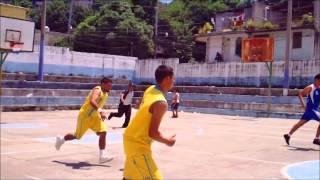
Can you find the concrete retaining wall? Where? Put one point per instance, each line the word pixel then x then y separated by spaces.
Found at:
pixel 231 74
pixel 62 61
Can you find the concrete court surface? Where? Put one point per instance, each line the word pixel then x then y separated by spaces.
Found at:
pixel 208 147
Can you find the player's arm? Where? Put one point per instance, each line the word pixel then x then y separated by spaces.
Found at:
pixel 304 93
pixel 93 101
pixel 122 97
pixel 158 109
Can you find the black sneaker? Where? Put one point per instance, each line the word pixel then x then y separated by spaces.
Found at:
pixel 287 138
pixel 110 116
pixel 316 141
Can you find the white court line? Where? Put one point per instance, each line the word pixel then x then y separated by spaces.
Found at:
pixel 18 152
pixel 263 136
pixel 255 160
pixel 31 151
pixel 32 177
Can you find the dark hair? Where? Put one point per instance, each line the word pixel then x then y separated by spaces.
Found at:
pixel 105 80
pixel 317 77
pixel 162 72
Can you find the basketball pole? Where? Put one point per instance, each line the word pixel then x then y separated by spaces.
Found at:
pixel 269 66
pixel 41 53
pixel 3 56
pixel 288 51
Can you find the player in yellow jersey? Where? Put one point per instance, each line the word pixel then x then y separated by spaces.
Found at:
pixel 91 116
pixel 144 128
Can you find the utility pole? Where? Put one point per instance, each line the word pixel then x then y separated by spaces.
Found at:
pixel 288 50
pixel 70 16
pixel 156 30
pixel 41 53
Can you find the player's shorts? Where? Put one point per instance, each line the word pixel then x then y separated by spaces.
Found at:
pixel 141 167
pixel 311 114
pixel 92 121
pixel 175 106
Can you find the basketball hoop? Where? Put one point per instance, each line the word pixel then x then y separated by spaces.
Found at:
pixel 16 46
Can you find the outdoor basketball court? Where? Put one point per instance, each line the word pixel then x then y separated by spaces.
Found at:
pixel 208 147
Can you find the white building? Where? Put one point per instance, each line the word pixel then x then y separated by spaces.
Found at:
pixel 224 40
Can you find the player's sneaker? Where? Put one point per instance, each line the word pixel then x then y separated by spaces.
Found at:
pixel 59 142
pixel 316 141
pixel 287 138
pixel 110 116
pixel 105 159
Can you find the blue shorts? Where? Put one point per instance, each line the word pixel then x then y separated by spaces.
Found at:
pixel 311 114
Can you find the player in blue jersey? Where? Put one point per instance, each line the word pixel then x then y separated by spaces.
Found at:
pixel 311 109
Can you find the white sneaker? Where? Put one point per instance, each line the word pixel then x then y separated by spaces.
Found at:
pixel 59 142
pixel 105 159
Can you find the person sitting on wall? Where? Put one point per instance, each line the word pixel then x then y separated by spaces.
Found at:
pixel 219 57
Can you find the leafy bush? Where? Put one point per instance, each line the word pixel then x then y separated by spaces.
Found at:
pixel 63 42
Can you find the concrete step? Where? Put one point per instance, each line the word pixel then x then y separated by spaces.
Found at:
pixel 232 112
pixel 226 90
pixel 184 96
pixel 54 85
pixel 236 98
pixel 46 101
pixel 46 107
pixel 59 78
pixel 263 107
pixel 30 92
pixel 289 108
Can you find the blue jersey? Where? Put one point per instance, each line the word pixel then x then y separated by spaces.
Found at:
pixel 313 102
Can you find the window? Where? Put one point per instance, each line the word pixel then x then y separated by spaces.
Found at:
pixel 297 40
pixel 238 46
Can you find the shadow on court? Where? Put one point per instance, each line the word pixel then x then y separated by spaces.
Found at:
pixel 296 148
pixel 80 165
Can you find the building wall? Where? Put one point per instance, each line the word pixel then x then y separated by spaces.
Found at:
pixel 62 61
pixel 218 44
pixel 306 52
pixel 258 11
pixel 213 46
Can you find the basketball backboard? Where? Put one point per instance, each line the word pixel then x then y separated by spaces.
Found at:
pixel 16 35
pixel 257 50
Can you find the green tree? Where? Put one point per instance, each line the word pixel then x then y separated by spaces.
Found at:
pixel 57 15
pixel 115 30
pixel 79 14
pixel 184 18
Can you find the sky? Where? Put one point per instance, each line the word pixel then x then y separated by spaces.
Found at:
pixel 166 1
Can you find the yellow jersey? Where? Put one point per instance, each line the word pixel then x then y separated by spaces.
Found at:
pixel 136 138
pixel 87 107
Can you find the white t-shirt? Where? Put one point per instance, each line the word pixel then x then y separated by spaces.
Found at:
pixel 128 99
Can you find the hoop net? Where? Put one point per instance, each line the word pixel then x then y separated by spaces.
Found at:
pixel 16 46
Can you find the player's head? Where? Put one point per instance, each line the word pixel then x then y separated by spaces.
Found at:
pixel 106 84
pixel 317 79
pixel 130 86
pixel 164 77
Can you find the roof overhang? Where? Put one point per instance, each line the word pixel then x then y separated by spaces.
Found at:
pixel 205 37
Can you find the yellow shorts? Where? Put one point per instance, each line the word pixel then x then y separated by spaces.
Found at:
pixel 85 122
pixel 141 167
